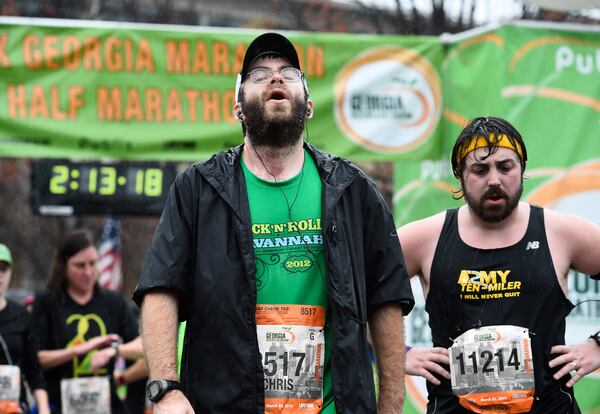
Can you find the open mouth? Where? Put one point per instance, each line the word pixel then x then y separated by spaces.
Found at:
pixel 277 95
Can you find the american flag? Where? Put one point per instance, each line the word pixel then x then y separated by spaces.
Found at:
pixel 109 262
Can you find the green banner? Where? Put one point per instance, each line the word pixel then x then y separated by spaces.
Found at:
pixel 98 90
pixel 545 79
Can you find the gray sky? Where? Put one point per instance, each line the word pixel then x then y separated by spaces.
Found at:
pixel 486 11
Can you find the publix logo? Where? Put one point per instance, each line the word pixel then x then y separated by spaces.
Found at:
pixel 584 63
pixel 388 99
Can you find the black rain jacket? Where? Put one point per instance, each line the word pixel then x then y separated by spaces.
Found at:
pixel 203 250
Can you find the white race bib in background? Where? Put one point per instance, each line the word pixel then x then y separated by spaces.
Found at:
pixel 87 395
pixel 10 383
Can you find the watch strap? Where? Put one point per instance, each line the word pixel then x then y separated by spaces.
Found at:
pixel 596 338
pixel 172 385
pixel 164 386
pixel 115 345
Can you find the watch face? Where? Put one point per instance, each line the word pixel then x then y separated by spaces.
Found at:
pixel 153 390
pixel 158 388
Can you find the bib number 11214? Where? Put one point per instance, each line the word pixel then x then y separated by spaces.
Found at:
pixel 491 370
pixel 486 361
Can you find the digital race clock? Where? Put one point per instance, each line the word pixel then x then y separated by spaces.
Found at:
pixel 61 187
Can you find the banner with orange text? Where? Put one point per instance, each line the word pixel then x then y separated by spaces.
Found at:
pixel 154 92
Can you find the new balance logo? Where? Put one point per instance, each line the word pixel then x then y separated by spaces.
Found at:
pixel 532 245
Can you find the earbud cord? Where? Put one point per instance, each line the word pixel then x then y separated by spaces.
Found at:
pixel 314 256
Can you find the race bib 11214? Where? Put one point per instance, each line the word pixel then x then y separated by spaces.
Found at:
pixel 491 370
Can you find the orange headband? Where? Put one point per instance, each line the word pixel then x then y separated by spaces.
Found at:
pixel 480 142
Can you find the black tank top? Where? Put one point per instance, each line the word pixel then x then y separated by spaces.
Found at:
pixel 528 296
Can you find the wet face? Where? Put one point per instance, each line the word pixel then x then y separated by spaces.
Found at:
pixel 274 112
pixel 82 271
pixel 5 276
pixel 492 185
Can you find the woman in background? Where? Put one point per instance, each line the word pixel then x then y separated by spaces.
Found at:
pixel 76 319
pixel 18 350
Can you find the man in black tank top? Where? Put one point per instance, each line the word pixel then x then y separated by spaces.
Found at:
pixel 494 275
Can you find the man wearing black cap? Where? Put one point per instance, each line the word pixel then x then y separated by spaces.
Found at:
pixel 277 255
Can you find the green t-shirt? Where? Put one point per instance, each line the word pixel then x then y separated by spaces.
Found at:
pixel 292 305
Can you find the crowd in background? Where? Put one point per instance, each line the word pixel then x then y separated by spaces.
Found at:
pixel 70 338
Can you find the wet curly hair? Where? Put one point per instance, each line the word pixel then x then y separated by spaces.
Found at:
pixel 485 126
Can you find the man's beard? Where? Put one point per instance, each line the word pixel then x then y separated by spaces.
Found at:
pixel 493 213
pixel 280 132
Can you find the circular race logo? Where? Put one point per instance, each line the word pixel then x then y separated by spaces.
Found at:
pixel 388 99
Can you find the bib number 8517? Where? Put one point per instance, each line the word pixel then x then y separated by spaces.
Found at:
pixel 271 366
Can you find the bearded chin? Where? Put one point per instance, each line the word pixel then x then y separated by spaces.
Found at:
pixel 493 214
pixel 281 132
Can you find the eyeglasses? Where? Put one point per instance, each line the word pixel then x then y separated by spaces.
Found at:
pixel 262 75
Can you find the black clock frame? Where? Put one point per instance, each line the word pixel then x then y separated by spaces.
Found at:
pixel 120 200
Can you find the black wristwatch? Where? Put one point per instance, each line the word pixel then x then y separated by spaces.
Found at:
pixel 156 389
pixel 596 337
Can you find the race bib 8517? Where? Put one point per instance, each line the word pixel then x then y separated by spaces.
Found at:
pixel 292 347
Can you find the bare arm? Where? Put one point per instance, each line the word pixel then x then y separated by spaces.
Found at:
pixel 135 372
pixel 130 350
pixel 574 242
pixel 50 358
pixel 586 257
pixel 54 358
pixel 409 236
pixel 41 400
pixel 159 336
pixel 387 331
pixel 419 240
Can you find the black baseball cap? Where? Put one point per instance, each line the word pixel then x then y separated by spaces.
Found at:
pixel 267 44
